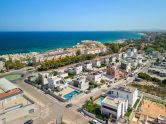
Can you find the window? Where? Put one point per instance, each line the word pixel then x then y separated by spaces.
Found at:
pixel 109 108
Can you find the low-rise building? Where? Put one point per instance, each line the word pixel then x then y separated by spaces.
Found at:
pixel 54 81
pixel 127 93
pixel 2 65
pixel 126 66
pixel 158 71
pixel 63 74
pixel 44 78
pixel 78 69
pixel 95 77
pixel 105 61
pixel 13 103
pixel 81 83
pixel 97 63
pixel 87 66
pixel 131 52
pixel 113 70
pixel 115 107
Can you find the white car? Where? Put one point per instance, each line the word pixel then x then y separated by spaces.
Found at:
pixel 94 122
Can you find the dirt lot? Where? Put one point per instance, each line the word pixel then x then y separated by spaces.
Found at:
pixel 148 109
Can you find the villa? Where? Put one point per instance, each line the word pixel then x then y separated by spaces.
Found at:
pixel 78 69
pixel 97 63
pixel 127 93
pixel 54 81
pixel 105 61
pixel 95 77
pixel 87 66
pixel 126 66
pixel 2 65
pixel 115 107
pixel 81 83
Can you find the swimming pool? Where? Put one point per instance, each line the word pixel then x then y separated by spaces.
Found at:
pixel 99 101
pixel 70 95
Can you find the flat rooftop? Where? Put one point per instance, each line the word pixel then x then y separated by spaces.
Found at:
pixel 6 85
pixel 125 89
pixel 14 103
pixel 113 101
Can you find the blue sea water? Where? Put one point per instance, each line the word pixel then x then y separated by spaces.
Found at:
pixel 24 42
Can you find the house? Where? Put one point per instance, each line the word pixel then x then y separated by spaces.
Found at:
pixel 97 63
pixel 63 74
pixel 81 83
pixel 44 77
pixel 54 81
pixel 2 65
pixel 124 55
pixel 78 69
pixel 113 70
pixel 133 61
pixel 87 66
pixel 126 66
pixel 131 52
pixel 13 103
pixel 116 107
pixel 113 59
pixel 127 93
pixel 105 61
pixel 95 77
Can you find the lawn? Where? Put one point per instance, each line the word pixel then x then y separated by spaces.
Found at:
pixel 12 77
pixel 94 109
pixel 136 103
pixel 127 114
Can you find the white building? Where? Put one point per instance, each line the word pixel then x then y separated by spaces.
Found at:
pixel 54 81
pixel 114 106
pixel 124 55
pixel 2 65
pixel 81 83
pixel 13 103
pixel 113 59
pixel 95 77
pixel 127 93
pixel 97 63
pixel 105 61
pixel 87 66
pixel 63 74
pixel 44 78
pixel 126 66
pixel 131 52
pixel 78 69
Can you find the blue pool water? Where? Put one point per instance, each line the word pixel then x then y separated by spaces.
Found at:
pixel 100 100
pixel 70 95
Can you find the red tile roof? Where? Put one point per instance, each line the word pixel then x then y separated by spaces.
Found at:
pixel 10 93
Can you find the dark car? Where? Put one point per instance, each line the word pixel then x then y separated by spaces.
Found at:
pixel 69 105
pixel 29 122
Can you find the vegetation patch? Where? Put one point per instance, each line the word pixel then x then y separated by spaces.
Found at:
pixel 127 114
pixel 94 109
pixel 157 91
pixel 13 77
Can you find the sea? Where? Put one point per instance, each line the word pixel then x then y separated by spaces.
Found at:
pixel 25 42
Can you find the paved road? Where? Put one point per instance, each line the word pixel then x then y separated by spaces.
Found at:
pixel 51 106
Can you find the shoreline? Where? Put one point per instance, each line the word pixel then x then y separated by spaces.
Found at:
pixel 42 50
pixel 49 50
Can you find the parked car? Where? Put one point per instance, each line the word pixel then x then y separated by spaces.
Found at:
pixel 69 105
pixel 94 122
pixel 29 122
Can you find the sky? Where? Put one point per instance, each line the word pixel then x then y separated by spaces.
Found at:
pixel 82 15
